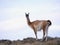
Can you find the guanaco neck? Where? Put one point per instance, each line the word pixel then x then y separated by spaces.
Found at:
pixel 28 21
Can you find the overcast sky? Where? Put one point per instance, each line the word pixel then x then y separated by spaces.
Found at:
pixel 13 23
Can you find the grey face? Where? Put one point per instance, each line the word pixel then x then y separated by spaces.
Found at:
pixel 27 15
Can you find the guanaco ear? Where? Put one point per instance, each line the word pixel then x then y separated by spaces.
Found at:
pixel 25 13
pixel 28 13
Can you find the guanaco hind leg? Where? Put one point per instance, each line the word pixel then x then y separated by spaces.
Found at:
pixel 46 32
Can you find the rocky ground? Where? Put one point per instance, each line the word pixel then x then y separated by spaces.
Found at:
pixel 31 41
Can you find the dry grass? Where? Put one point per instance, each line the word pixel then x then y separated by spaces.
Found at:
pixel 31 41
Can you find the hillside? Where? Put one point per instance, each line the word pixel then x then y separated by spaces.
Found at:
pixel 31 41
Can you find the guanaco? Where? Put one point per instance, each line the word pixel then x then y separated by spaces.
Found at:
pixel 39 25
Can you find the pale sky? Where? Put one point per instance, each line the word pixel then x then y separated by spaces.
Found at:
pixel 13 23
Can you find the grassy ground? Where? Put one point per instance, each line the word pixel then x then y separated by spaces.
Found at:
pixel 31 41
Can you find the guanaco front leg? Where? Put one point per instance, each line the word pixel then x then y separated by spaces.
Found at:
pixel 43 34
pixel 35 34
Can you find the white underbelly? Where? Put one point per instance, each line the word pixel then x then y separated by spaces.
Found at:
pixel 38 27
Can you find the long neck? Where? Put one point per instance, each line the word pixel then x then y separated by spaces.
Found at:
pixel 28 20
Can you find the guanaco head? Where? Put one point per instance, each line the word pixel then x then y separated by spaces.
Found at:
pixel 27 15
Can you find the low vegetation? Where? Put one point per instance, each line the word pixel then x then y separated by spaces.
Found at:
pixel 31 41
